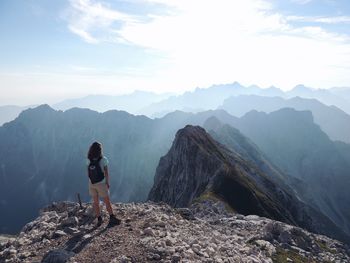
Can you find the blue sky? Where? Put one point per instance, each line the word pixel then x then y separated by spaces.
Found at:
pixel 52 50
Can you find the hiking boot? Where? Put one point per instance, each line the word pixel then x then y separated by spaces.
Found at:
pixel 99 220
pixel 113 221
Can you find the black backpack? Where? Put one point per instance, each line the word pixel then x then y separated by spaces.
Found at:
pixel 96 174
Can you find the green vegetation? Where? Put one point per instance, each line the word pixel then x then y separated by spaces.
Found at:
pixel 208 195
pixel 324 247
pixel 281 256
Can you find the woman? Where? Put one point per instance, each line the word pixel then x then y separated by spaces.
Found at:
pixel 99 182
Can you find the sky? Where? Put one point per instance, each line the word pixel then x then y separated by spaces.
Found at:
pixel 53 50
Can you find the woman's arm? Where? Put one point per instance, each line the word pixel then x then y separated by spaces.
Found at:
pixel 106 175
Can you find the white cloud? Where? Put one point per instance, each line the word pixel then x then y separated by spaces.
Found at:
pixel 220 41
pixel 94 21
pixel 83 34
pixel 324 20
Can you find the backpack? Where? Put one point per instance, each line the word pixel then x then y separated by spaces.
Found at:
pixel 96 174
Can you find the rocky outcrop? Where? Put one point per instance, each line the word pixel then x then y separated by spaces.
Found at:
pixel 197 167
pixel 205 232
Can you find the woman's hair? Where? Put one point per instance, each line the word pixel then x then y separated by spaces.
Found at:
pixel 95 151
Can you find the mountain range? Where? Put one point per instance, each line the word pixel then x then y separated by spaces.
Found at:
pixel 43 154
pixel 201 99
pixel 132 103
pixel 213 97
pixel 332 120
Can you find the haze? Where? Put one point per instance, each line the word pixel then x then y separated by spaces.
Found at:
pixel 51 51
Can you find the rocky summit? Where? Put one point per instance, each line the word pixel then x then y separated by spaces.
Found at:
pixel 150 232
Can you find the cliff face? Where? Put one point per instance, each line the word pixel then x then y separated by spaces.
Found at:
pixel 293 142
pixel 158 233
pixel 197 166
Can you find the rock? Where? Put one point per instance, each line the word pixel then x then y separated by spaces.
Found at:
pixel 123 259
pixel 196 248
pixel 252 217
pixel 72 231
pixel 186 213
pixel 58 233
pixel 175 258
pixel 70 221
pixel 168 242
pixel 148 231
pixel 89 212
pixel 57 256
pixel 24 255
pixel 160 224
pixel 167 237
pixel 210 250
pixel 86 236
pixel 267 246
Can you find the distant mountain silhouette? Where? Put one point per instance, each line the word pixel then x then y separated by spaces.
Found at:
pixel 10 112
pixel 328 97
pixel 132 103
pixel 333 121
pixel 343 92
pixel 202 99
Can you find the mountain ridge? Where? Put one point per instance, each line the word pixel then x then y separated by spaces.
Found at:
pixel 197 165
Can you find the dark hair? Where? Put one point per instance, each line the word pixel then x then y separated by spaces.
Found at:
pixel 95 151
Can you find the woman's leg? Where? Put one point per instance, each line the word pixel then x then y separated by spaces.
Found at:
pixel 107 201
pixel 96 205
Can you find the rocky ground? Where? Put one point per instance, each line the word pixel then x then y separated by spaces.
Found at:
pixel 158 233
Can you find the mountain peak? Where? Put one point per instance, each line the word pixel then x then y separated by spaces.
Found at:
pixel 189 131
pixel 301 88
pixel 41 110
pixel 212 123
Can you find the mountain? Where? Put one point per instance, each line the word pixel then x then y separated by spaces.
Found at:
pixel 202 99
pixel 43 152
pixel 199 99
pixel 343 92
pixel 333 121
pixel 328 97
pixel 64 232
pixel 10 112
pixel 246 149
pixel 197 166
pixel 295 144
pixel 132 103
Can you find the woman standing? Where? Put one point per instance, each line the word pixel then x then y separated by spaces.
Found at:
pixel 99 182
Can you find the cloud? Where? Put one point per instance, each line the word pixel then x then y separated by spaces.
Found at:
pixel 301 2
pixel 94 22
pixel 207 42
pixel 322 20
pixel 83 34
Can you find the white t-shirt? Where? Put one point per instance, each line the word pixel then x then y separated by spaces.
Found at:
pixel 103 163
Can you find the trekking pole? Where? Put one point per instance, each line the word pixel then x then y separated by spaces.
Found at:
pixel 79 200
